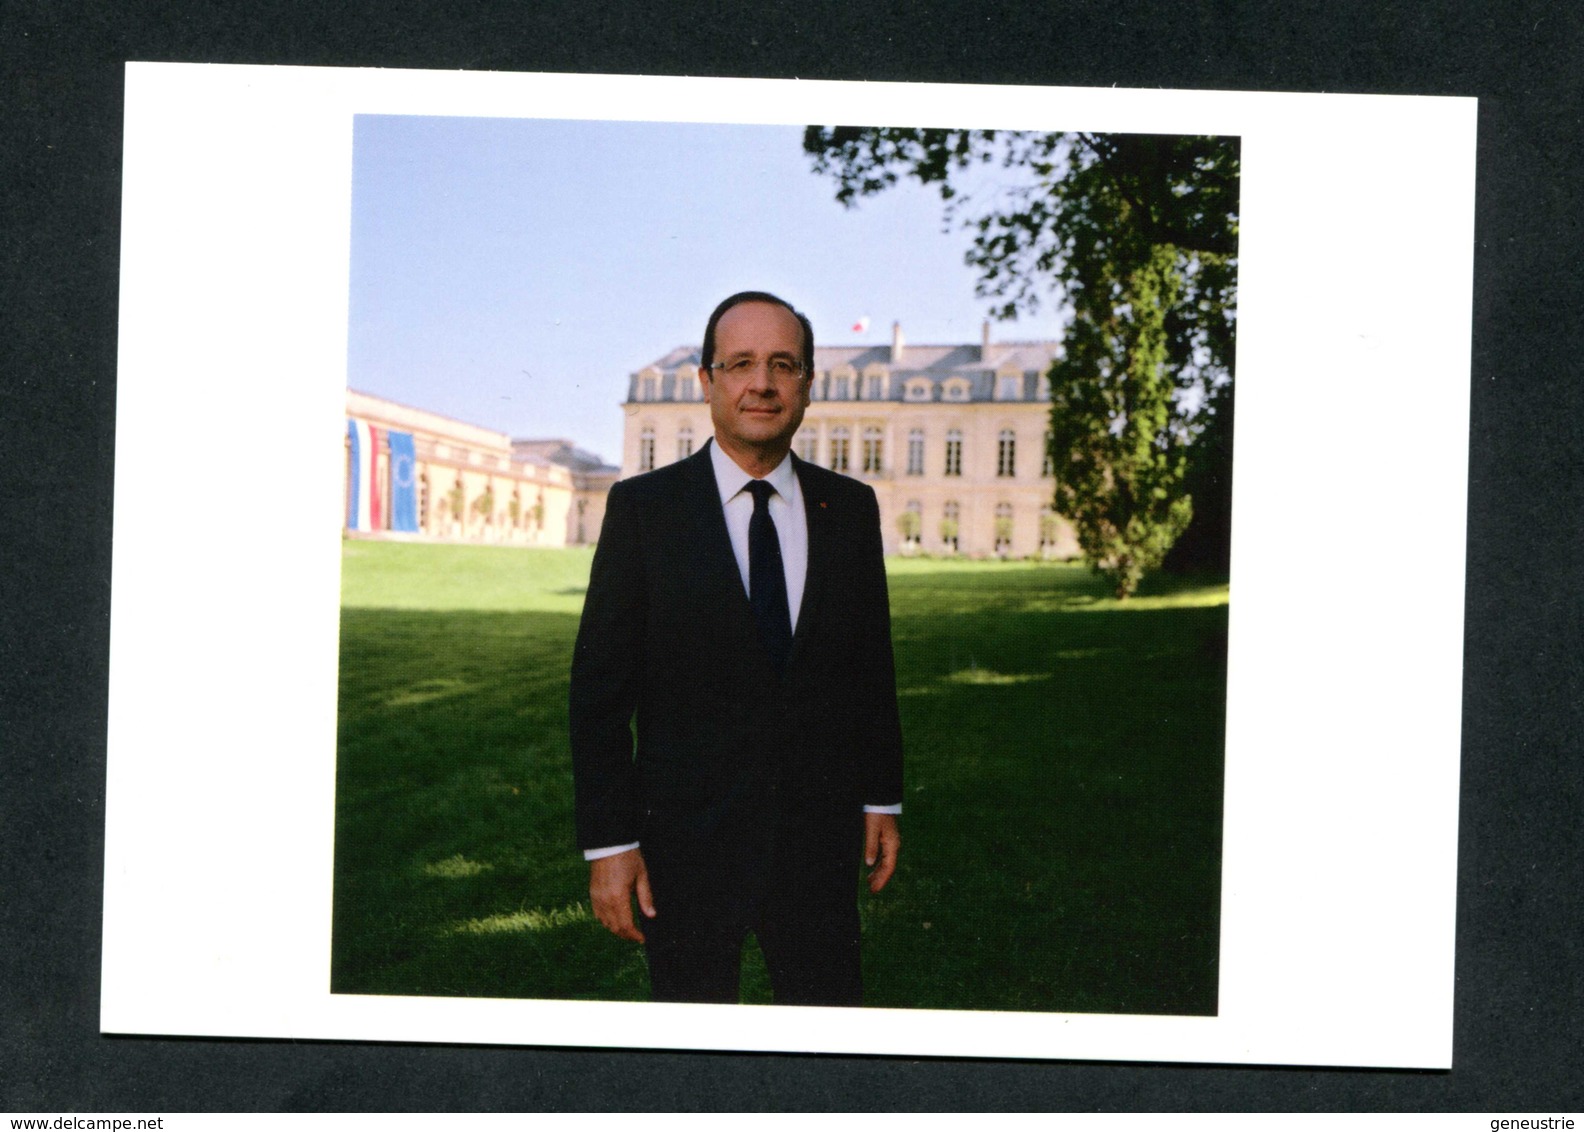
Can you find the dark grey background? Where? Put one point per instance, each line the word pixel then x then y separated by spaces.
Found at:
pixel 1518 998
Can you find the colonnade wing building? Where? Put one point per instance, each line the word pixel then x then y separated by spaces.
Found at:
pixel 953 439
pixel 414 474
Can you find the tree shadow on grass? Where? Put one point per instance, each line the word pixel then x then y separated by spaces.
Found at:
pixel 1062 826
pixel 455 866
pixel 1064 795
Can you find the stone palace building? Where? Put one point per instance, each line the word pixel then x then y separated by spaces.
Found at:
pixel 954 436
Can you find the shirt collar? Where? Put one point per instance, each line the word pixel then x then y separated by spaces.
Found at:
pixel 730 479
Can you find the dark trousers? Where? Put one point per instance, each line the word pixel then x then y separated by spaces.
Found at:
pixel 813 959
pixel 804 913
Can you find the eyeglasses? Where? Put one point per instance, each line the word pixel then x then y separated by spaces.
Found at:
pixel 742 367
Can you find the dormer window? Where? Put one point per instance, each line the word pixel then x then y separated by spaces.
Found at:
pixel 1009 387
pixel 917 389
pixel 649 385
pixel 955 389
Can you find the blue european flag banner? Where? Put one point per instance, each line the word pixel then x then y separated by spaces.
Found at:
pixel 404 490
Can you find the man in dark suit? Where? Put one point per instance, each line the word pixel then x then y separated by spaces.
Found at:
pixel 737 612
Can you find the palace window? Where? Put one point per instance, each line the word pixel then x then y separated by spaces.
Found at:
pixel 954 452
pixel 1049 528
pixel 1009 387
pixel 646 387
pixel 872 450
pixel 1003 527
pixel 1048 468
pixel 843 390
pixel 646 450
pixel 955 390
pixel 839 446
pixel 949 520
pixel 874 387
pixel 913 526
pixel 915 463
pixel 1006 453
pixel 687 386
pixel 808 445
pixel 684 442
pixel 917 389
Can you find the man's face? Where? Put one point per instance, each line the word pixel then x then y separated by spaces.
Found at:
pixel 755 408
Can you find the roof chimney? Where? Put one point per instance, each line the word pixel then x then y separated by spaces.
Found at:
pixel 896 342
pixel 984 342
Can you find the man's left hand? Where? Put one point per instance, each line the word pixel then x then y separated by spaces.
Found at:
pixel 882 843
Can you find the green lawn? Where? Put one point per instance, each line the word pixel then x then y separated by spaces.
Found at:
pixel 1063 815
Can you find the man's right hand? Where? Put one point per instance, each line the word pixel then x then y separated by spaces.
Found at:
pixel 613 882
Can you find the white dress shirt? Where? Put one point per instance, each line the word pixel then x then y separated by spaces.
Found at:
pixel 786 511
pixel 791 523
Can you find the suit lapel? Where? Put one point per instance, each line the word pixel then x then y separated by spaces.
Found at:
pixel 713 552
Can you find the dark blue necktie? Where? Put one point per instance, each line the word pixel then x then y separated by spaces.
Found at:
pixel 767 577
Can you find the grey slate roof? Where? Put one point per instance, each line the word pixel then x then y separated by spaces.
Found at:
pixel 935 362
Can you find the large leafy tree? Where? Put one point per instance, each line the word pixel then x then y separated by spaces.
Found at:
pixel 1136 237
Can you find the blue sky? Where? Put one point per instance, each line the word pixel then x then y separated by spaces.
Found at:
pixel 512 273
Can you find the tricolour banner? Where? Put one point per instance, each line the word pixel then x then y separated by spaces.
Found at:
pixel 364 489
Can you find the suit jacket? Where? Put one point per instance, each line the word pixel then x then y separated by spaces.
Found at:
pixel 731 761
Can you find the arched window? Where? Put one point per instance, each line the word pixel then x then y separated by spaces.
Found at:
pixel 684 442
pixel 1049 528
pixel 949 528
pixel 1003 527
pixel 646 450
pixel 954 452
pixel 1006 453
pixel 912 524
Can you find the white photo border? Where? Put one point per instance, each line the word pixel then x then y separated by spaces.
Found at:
pixel 1345 658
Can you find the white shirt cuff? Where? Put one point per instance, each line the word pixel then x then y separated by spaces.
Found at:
pixel 612 850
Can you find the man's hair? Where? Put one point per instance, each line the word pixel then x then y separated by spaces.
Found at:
pixel 707 358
